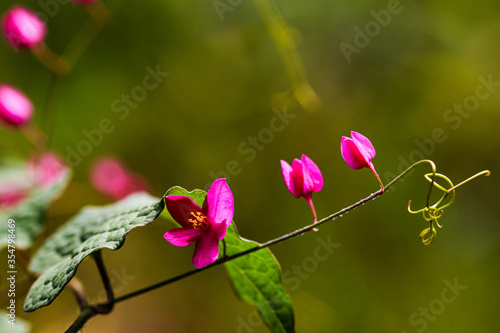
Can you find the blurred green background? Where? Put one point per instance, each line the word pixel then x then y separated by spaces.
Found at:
pixel 225 79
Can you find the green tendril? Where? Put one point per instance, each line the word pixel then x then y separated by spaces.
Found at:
pixel 432 213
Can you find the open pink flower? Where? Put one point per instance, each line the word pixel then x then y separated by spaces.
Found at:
pixel 206 226
pixel 302 179
pixel 358 153
pixel 15 108
pixel 110 177
pixel 22 28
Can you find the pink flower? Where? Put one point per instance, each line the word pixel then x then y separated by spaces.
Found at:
pixel 302 179
pixel 110 177
pixel 22 28
pixel 46 169
pixel 358 153
pixel 15 108
pixel 206 226
pixel 11 195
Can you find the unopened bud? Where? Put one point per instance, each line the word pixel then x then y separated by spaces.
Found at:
pixel 15 108
pixel 22 28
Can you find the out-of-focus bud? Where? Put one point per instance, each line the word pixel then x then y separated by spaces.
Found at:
pixel 22 28
pixel 15 108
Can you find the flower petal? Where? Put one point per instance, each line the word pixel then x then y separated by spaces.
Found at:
pixel 219 203
pixel 351 154
pixel 314 182
pixel 364 145
pixel 286 170
pixel 181 207
pixel 298 178
pixel 206 251
pixel 182 236
pixel 218 230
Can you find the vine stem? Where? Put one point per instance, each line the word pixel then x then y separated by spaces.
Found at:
pixel 100 18
pixel 89 311
pixel 279 239
pixel 285 44
pixel 108 306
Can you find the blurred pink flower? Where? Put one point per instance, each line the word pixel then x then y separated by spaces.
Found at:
pixel 22 28
pixel 46 169
pixel 11 195
pixel 358 153
pixel 109 176
pixel 302 179
pixel 206 226
pixel 40 171
pixel 15 108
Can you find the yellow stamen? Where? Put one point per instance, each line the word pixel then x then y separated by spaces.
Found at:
pixel 200 221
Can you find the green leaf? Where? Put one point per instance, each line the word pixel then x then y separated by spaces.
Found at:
pixel 198 196
pixel 92 229
pixel 256 277
pixel 29 215
pixel 7 324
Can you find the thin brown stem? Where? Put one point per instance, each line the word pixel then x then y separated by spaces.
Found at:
pixel 108 306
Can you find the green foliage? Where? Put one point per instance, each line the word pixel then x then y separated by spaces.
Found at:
pixel 92 229
pixel 197 196
pixel 255 277
pixel 29 215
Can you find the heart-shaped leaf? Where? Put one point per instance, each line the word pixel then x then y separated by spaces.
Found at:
pixel 256 277
pixel 92 229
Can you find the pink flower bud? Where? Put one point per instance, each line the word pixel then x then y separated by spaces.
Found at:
pixel 358 153
pixel 15 108
pixel 22 28
pixel 303 178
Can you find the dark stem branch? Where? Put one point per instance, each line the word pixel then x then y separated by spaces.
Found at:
pixel 84 316
pixel 108 306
